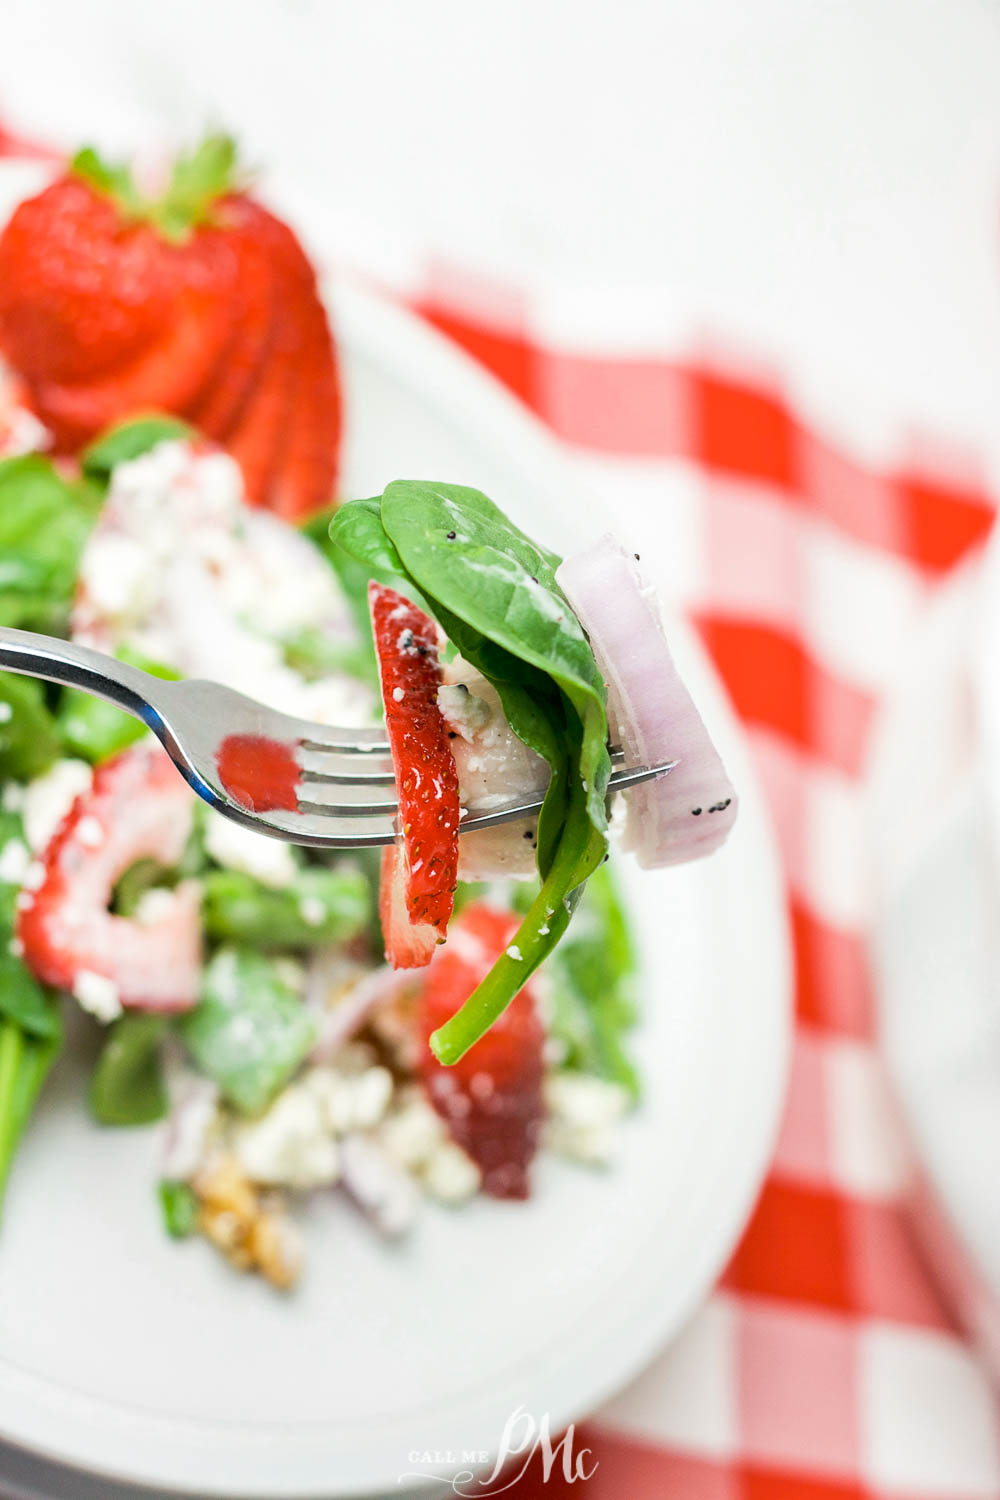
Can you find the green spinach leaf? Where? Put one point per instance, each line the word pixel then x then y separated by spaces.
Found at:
pixel 127 1086
pixel 128 440
pixel 251 1029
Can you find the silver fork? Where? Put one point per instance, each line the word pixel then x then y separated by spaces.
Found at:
pixel 193 720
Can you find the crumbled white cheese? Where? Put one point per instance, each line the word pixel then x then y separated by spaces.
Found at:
pixel 449 1175
pixel 34 876
pixel 378 1184
pixel 49 798
pixel 237 848
pixel 155 905
pixel 398 694
pixel 350 1101
pixel 90 833
pixel 15 858
pixel 582 1114
pixel 411 1132
pixel 464 712
pixel 312 911
pixel 98 995
pixel 291 1145
pixel 514 952
pixel 119 576
pixel 6 713
pixel 12 798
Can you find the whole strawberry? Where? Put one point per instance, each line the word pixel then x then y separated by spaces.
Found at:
pixel 200 303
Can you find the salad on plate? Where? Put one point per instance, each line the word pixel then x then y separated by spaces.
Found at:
pixel 414 1026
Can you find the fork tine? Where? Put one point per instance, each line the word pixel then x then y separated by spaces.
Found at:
pixel 372 741
pixel 368 741
pixel 354 810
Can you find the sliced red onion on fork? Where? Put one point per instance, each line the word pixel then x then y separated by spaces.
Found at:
pixel 687 814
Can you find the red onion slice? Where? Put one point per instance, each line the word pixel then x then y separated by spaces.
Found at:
pixel 687 814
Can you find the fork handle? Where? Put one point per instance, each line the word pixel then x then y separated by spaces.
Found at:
pixel 76 666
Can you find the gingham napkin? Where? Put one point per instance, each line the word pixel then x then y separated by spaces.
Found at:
pixel 825 1364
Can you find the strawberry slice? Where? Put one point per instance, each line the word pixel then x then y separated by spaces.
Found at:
pixel 491 1099
pixel 169 376
pixel 218 408
pixel 136 808
pixel 306 478
pixel 260 437
pixel 418 883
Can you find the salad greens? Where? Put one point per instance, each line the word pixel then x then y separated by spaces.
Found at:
pixel 319 906
pixel 179 1207
pixel 251 1030
pixel 29 735
pixel 44 521
pixel 129 439
pixel 96 730
pixel 495 595
pixel 590 985
pixel 31 1031
pixel 127 1087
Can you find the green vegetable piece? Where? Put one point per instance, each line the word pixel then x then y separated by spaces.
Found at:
pixel 251 1030
pixel 320 906
pixel 591 983
pixel 29 739
pixel 179 1207
pixel 24 1064
pixel 96 730
pixel 127 1086
pixel 25 1001
pixel 128 440
pixel 44 522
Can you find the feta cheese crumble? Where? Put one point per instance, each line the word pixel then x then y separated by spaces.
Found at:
pixel 97 995
pixel 15 859
pixel 237 848
pixel 48 799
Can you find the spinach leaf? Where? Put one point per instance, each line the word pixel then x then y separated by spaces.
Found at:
pixel 96 730
pixel 130 439
pixel 251 1029
pixel 29 737
pixel 127 1086
pixel 44 522
pixel 494 593
pixel 179 1207
pixel 320 906
pixel 591 978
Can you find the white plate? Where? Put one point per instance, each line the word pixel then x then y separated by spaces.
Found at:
pixel 936 948
pixel 148 1362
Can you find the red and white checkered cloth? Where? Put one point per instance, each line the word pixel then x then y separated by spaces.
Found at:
pixel 825 1364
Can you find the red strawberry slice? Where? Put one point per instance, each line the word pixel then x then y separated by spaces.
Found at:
pixel 408 944
pixel 260 437
pixel 169 376
pixel 306 478
pixel 219 407
pixel 491 1098
pixel 137 808
pixel 426 778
